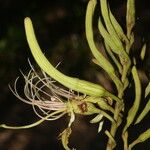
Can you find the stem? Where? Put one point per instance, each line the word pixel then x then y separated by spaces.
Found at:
pixel 118 108
pixel 125 140
pixel 114 127
pixel 33 124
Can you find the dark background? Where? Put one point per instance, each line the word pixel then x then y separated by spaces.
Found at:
pixel 59 27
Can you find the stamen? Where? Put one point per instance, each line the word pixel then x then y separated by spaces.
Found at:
pixel 43 94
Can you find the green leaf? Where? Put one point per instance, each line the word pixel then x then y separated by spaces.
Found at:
pixel 97 119
pixel 146 108
pixel 108 39
pixel 101 60
pixel 107 116
pixel 109 26
pixel 143 52
pixel 130 17
pixel 147 90
pixel 104 63
pixel 144 112
pixel 115 60
pixel 101 102
pixel 143 137
pixel 117 27
pixel 133 110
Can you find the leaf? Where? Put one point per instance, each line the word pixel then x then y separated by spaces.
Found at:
pixel 133 110
pixel 107 116
pixel 64 136
pixel 115 60
pixel 97 119
pixel 144 112
pixel 117 27
pixel 114 40
pixel 100 126
pixel 143 137
pixel 101 60
pixel 130 17
pixel 146 108
pixel 104 63
pixel 100 102
pixel 147 90
pixel 104 105
pixel 109 26
pixel 108 39
pixel 143 52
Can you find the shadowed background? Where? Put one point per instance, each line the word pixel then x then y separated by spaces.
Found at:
pixel 59 27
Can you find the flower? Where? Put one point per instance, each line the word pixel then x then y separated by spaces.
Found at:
pixel 53 94
pixel 43 93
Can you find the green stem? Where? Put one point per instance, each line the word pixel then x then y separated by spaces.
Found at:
pixel 33 124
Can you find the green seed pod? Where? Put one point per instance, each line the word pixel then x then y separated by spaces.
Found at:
pixel 72 83
pixel 76 84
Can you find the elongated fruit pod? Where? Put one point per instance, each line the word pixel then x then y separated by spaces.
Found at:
pixel 76 84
